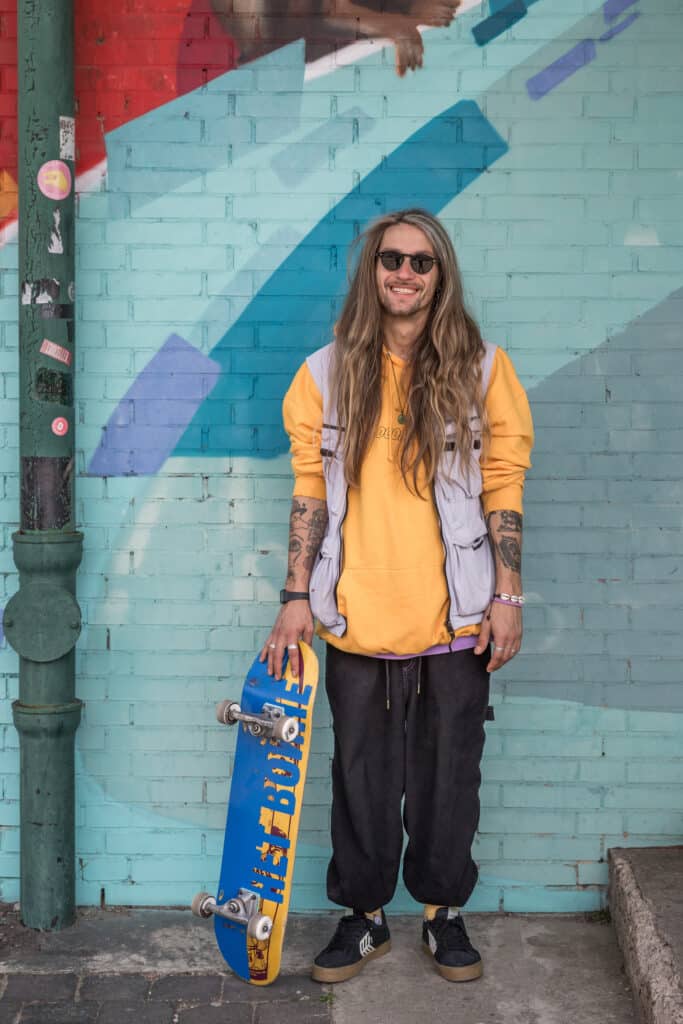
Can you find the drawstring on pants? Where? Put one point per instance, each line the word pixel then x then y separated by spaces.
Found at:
pixel 388 685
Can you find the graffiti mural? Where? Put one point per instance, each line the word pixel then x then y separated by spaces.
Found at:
pixel 235 159
pixel 130 62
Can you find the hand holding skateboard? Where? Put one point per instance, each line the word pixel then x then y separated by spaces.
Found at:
pixel 294 623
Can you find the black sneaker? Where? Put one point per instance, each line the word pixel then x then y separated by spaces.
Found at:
pixel 356 940
pixel 445 938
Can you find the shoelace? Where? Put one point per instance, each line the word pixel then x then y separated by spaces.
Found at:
pixel 349 932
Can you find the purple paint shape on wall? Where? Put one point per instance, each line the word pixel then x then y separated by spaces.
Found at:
pixel 613 8
pixel 616 29
pixel 567 65
pixel 154 413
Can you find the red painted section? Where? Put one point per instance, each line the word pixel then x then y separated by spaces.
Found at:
pixel 127 63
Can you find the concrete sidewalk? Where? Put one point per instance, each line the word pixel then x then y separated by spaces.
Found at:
pixel 162 967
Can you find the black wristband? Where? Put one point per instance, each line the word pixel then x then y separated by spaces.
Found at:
pixel 293 595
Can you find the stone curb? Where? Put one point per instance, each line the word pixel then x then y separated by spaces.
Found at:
pixel 651 965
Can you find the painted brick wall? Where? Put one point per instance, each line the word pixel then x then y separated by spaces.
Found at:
pixel 210 261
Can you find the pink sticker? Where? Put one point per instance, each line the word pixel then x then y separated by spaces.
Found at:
pixel 54 179
pixel 60 426
pixel 48 348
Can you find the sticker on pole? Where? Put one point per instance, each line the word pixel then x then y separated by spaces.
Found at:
pixel 56 245
pixel 49 348
pixel 60 426
pixel 54 179
pixel 67 138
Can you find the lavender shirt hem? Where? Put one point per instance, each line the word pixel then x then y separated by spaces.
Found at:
pixel 461 643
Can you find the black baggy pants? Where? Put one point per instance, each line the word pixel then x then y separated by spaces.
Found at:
pixel 410 729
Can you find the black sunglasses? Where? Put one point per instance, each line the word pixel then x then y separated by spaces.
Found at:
pixel 420 263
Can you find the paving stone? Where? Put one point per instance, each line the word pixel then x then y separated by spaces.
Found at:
pixel 9 1011
pixel 235 990
pixel 190 988
pixel 287 986
pixel 106 988
pixel 234 1014
pixel 59 1013
pixel 295 986
pixel 49 988
pixel 142 1013
pixel 303 1012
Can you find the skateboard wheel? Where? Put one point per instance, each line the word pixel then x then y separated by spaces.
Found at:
pixel 201 904
pixel 259 927
pixel 286 729
pixel 225 710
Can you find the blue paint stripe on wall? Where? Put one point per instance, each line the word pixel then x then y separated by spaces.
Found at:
pixel 613 8
pixel 155 411
pixel 300 301
pixel 573 60
pixel 567 65
pixel 500 22
pixel 619 28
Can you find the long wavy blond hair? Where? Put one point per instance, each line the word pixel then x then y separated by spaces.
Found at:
pixel 445 378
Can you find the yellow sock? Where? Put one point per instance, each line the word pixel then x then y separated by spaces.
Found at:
pixel 431 909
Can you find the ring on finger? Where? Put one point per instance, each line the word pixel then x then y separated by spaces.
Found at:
pixel 292 647
pixel 498 648
pixel 272 646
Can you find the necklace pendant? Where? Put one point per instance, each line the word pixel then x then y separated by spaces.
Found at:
pixel 401 418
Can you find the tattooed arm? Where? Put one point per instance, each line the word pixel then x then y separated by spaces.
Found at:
pixel 307 524
pixel 505 531
pixel 502 624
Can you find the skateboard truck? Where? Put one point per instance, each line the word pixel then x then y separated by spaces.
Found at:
pixel 272 722
pixel 243 909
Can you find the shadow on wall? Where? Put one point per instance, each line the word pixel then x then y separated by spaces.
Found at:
pixel 604 548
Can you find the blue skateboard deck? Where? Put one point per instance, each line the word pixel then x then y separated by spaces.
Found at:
pixel 262 825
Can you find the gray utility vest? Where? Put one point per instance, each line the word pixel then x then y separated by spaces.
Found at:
pixel 468 562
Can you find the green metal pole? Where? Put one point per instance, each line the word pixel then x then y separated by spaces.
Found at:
pixel 42 621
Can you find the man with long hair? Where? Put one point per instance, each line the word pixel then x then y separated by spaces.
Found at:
pixel 410 440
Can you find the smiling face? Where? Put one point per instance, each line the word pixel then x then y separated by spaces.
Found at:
pixel 402 292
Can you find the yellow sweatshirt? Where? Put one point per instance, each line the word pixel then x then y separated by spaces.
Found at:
pixel 392 588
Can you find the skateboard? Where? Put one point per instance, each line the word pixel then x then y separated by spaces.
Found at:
pixel 274 718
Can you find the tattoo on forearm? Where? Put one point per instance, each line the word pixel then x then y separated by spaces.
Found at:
pixel 317 532
pixel 306 530
pixel 298 511
pixel 508 549
pixel 510 553
pixel 511 522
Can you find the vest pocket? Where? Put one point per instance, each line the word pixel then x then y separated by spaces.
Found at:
pixel 473 575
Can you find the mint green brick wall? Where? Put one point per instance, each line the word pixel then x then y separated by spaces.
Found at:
pixel 570 247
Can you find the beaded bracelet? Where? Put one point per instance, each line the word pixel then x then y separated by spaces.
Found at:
pixel 518 599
